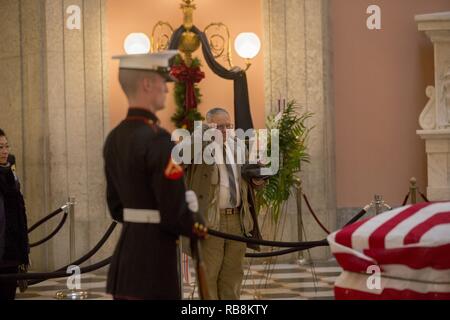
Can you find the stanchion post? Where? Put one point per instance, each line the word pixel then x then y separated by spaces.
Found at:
pixel 413 190
pixel 300 257
pixel 72 294
pixel 72 228
pixel 378 204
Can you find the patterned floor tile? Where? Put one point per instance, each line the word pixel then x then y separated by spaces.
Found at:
pixel 324 270
pixel 294 285
pixel 318 294
pixel 330 280
pixel 296 280
pixel 278 282
pixel 281 295
pixel 291 275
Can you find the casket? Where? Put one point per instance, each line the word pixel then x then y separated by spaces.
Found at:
pixel 400 254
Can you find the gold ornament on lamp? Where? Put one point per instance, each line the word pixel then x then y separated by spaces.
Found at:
pixel 247 45
pixel 189 42
pixel 216 42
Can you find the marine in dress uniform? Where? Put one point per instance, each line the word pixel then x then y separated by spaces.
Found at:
pixel 146 192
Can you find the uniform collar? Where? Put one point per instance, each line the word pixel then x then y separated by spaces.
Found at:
pixel 142 113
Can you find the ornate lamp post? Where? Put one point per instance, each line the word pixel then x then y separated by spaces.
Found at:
pixel 215 41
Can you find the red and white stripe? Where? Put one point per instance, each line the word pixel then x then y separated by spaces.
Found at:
pixel 411 243
pixel 354 286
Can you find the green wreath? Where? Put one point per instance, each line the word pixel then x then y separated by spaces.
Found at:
pixel 293 133
pixel 182 118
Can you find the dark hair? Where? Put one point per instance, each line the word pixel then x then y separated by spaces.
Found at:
pixel 2 133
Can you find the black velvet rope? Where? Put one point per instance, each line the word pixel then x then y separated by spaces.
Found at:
pixel 358 216
pixel 283 252
pixel 51 235
pixel 222 235
pixel 45 219
pixel 88 255
pixel 314 214
pixel 424 197
pixel 405 201
pixel 53 275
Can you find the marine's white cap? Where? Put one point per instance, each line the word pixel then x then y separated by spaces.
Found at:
pixel 158 62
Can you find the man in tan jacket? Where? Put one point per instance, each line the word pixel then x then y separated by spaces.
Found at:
pixel 227 201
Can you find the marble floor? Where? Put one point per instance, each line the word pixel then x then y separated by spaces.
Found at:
pixel 262 281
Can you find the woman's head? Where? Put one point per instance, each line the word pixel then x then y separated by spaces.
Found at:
pixel 4 148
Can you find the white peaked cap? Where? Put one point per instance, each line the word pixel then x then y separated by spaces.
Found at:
pixel 147 61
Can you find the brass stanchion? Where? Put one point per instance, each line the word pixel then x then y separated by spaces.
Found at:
pixel 379 205
pixel 301 258
pixel 74 293
pixel 413 190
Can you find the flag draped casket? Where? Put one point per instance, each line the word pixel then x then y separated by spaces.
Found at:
pixel 410 246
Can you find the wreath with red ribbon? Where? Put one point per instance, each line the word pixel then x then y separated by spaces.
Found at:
pixel 187 93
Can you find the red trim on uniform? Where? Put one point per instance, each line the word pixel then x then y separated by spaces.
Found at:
pixel 137 118
pixel 173 171
pixel 145 120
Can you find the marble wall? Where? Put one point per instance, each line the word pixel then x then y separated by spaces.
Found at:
pixel 297 66
pixel 54 109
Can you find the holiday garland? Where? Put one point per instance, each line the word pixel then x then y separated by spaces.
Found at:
pixel 187 93
pixel 293 133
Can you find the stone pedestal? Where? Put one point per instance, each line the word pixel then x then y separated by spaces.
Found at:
pixel 435 118
pixel 438 160
pixel 297 66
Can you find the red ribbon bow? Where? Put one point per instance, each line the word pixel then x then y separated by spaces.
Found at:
pixel 189 76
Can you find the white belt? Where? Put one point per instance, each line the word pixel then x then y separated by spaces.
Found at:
pixel 141 216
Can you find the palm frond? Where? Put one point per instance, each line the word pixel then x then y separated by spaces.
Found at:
pixel 293 134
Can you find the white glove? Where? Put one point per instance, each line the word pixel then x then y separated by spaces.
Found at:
pixel 192 201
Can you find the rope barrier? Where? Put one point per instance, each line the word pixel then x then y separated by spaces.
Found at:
pixel 424 197
pixel 219 234
pixel 45 219
pixel 51 235
pixel 88 255
pixel 286 251
pixel 53 275
pixel 405 201
pixel 314 214
pixel 358 216
pixel 293 246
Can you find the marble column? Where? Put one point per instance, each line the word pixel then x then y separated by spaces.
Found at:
pixel 435 118
pixel 297 66
pixel 55 89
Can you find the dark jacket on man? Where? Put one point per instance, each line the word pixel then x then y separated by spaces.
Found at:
pixel 14 247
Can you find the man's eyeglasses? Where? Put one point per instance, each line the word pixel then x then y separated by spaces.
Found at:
pixel 222 126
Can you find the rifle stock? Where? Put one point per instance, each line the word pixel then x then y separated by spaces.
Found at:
pixel 200 270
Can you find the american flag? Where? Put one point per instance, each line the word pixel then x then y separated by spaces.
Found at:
pixel 410 246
